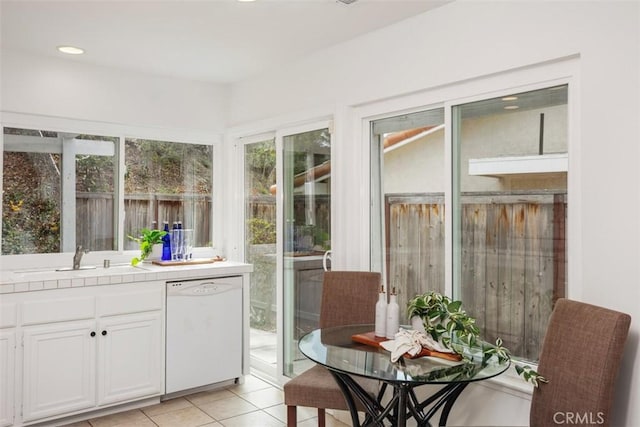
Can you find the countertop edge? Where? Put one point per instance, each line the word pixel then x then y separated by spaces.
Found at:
pixel 21 281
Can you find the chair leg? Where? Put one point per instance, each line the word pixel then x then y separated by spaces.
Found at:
pixel 292 417
pixel 321 417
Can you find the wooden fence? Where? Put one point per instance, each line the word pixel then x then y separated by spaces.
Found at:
pixel 95 221
pixel 262 206
pixel 512 257
pixel 95 213
pixel 513 264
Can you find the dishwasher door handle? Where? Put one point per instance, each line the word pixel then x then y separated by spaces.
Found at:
pixel 202 290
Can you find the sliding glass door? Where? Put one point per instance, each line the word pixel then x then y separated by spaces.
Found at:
pixel 306 234
pixel 287 231
pixel 261 249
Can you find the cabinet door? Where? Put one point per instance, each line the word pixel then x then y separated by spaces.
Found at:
pixel 59 369
pixel 7 375
pixel 130 357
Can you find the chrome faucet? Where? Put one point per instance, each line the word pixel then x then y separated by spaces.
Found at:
pixel 78 256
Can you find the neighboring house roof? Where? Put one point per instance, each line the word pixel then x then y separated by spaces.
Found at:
pixel 323 171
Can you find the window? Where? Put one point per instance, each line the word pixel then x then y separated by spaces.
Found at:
pixel 168 181
pixel 58 192
pixel 510 204
pixel 508 169
pixel 411 195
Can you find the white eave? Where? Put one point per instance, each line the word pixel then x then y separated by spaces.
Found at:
pixel 495 166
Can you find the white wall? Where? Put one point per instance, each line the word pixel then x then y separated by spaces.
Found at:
pixel 512 134
pixel 417 167
pixel 50 86
pixel 463 41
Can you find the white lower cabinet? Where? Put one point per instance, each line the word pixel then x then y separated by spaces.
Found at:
pixel 59 369
pixel 81 350
pixel 7 375
pixel 8 351
pixel 130 357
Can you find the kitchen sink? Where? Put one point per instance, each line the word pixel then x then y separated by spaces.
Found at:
pixel 84 267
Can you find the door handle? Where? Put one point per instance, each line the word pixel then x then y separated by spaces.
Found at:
pixel 325 257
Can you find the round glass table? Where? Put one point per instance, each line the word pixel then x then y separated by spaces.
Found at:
pixel 347 359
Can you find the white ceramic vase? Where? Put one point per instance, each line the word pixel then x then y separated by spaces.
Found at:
pixel 156 253
pixel 417 325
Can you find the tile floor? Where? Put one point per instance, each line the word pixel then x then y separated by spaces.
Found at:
pixel 255 403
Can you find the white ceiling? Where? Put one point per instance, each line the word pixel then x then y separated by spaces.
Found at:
pixel 218 41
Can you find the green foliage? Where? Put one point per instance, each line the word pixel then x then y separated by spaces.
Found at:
pixel 167 167
pixel 260 160
pixel 444 319
pixel 526 372
pixel 30 224
pixel 261 231
pixel 146 241
pixel 448 323
pixel 95 174
pixel 321 237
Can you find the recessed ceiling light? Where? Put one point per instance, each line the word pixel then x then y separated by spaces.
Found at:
pixel 509 98
pixel 511 107
pixel 246 1
pixel 71 50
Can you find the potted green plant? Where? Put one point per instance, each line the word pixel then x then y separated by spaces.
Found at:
pixel 147 240
pixel 447 323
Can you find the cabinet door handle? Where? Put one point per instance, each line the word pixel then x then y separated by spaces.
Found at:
pixel 93 333
pixel 104 333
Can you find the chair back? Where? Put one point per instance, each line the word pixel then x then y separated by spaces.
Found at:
pixel 348 298
pixel 580 357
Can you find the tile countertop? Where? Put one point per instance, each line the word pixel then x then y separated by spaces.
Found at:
pixel 27 280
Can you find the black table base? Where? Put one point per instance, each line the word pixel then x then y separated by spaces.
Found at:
pixel 403 404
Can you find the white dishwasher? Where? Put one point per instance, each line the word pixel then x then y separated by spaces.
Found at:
pixel 204 332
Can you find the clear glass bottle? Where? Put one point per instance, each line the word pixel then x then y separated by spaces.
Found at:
pixel 174 241
pixel 180 239
pixel 393 315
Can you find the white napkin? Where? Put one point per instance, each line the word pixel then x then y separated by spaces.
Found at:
pixel 411 342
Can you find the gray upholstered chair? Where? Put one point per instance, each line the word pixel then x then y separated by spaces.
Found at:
pixel 580 357
pixel 348 297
